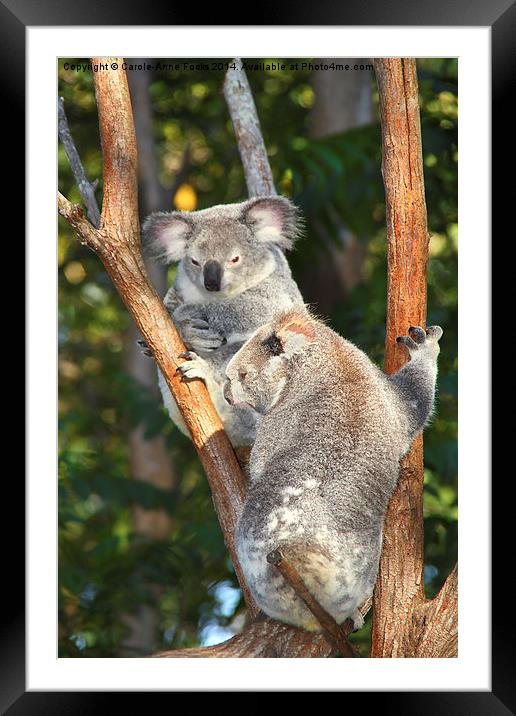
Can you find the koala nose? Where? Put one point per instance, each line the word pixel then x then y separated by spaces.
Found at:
pixel 212 275
pixel 228 395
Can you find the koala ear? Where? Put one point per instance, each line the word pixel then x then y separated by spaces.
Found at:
pixel 166 235
pixel 296 332
pixel 274 219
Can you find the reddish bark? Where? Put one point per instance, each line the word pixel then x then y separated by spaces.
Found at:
pixel 405 624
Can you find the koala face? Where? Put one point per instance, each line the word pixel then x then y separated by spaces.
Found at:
pixel 259 373
pixel 225 249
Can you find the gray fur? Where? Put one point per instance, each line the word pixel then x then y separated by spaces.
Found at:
pixel 325 461
pixel 215 324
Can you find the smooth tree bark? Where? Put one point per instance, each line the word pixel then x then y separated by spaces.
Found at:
pixel 405 623
pixel 242 109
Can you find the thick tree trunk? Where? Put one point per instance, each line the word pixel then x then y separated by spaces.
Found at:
pixel 404 623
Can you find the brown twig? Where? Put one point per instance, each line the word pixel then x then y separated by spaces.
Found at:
pixel 333 631
pixel 74 214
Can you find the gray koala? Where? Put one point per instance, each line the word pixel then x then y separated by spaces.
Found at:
pixel 325 462
pixel 232 277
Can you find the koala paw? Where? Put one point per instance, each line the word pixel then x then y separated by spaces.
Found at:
pixel 418 339
pixel 198 335
pixel 144 348
pixel 195 367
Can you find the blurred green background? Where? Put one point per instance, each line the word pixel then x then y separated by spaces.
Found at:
pixel 142 563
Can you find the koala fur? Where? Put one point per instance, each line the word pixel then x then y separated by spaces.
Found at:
pixel 232 277
pixel 325 462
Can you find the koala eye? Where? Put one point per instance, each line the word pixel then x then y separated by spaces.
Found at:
pixel 273 344
pixel 235 260
pixel 195 263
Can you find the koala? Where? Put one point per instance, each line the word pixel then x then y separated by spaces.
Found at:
pixel 232 277
pixel 325 461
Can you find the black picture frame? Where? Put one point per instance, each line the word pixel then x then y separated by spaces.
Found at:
pixel 15 16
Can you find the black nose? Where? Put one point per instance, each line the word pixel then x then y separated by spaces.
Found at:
pixel 228 395
pixel 212 275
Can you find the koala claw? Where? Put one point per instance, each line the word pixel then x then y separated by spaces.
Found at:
pixel 434 332
pixel 144 348
pixel 418 338
pixel 199 324
pixel 195 367
pixel 417 334
pixel 203 340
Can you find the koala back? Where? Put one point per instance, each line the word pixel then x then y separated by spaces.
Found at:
pixel 323 466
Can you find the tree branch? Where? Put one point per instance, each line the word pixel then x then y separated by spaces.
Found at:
pixel 239 98
pixel 86 189
pixel 336 635
pixel 263 638
pixel 436 624
pixel 74 215
pixel 117 243
pixel 399 599
pixel 266 637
